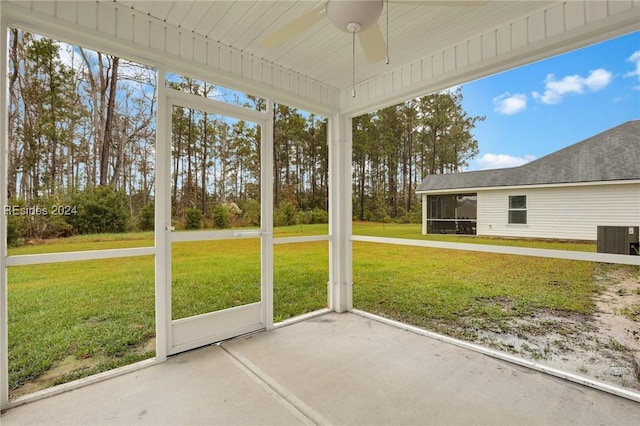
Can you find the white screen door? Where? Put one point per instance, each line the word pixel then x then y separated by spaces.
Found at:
pixel 217 244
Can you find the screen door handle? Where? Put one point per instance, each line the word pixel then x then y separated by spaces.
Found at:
pixel 245 234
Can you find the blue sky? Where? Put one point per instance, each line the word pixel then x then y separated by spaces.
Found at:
pixel 540 108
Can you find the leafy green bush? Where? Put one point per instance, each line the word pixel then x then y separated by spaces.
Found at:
pixel 43 227
pixel 222 216
pixel 285 214
pixel 99 209
pixel 319 216
pixel 42 219
pixel 146 218
pixel 16 224
pixel 251 213
pixel 192 218
pixel 51 224
pixel 14 233
pixel 310 217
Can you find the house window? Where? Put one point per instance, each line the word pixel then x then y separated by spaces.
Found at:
pixel 517 209
pixel 452 214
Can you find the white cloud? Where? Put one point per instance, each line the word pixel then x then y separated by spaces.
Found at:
pixel 634 59
pixel 500 161
pixel 509 104
pixel 598 79
pixel 555 90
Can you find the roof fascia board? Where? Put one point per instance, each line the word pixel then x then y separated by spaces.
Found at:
pixel 551 31
pixel 519 187
pixel 111 28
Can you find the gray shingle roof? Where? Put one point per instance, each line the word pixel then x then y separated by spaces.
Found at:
pixel 611 155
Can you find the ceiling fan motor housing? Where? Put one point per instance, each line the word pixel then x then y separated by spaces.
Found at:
pixel 343 14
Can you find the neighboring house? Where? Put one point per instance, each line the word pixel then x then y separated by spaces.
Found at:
pixel 564 195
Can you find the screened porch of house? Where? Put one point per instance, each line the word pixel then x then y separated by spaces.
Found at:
pixel 338 365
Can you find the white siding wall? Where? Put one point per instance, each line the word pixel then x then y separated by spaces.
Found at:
pixel 569 212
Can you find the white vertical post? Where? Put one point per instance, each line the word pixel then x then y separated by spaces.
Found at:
pixel 266 214
pixel 4 161
pixel 340 257
pixel 424 214
pixel 163 220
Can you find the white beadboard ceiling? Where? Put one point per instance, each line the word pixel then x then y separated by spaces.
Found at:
pixel 432 44
pixel 322 52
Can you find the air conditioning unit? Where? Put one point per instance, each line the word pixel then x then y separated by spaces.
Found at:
pixel 619 239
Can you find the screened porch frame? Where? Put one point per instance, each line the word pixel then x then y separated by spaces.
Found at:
pixel 111 28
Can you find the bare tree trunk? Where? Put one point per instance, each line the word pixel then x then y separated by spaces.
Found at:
pixel 108 123
pixel 205 155
pixel 120 163
pixel 276 163
pixel 13 115
pixel 190 143
pixel 409 189
pixel 434 139
pixel 97 97
pixel 361 186
pixel 177 148
pixel 53 171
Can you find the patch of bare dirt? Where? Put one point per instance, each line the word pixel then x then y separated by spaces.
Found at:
pixel 604 345
pixel 69 365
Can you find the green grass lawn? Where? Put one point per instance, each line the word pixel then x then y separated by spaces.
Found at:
pixel 100 313
pixel 213 275
pixel 89 310
pixel 446 290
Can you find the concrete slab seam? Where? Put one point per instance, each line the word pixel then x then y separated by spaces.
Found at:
pixel 299 408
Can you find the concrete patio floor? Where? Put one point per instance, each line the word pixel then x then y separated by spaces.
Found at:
pixel 333 369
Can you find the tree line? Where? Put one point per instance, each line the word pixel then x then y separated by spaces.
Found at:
pixel 83 123
pixel 395 148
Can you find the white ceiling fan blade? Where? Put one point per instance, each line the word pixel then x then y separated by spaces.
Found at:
pixel 293 28
pixel 373 44
pixel 443 3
